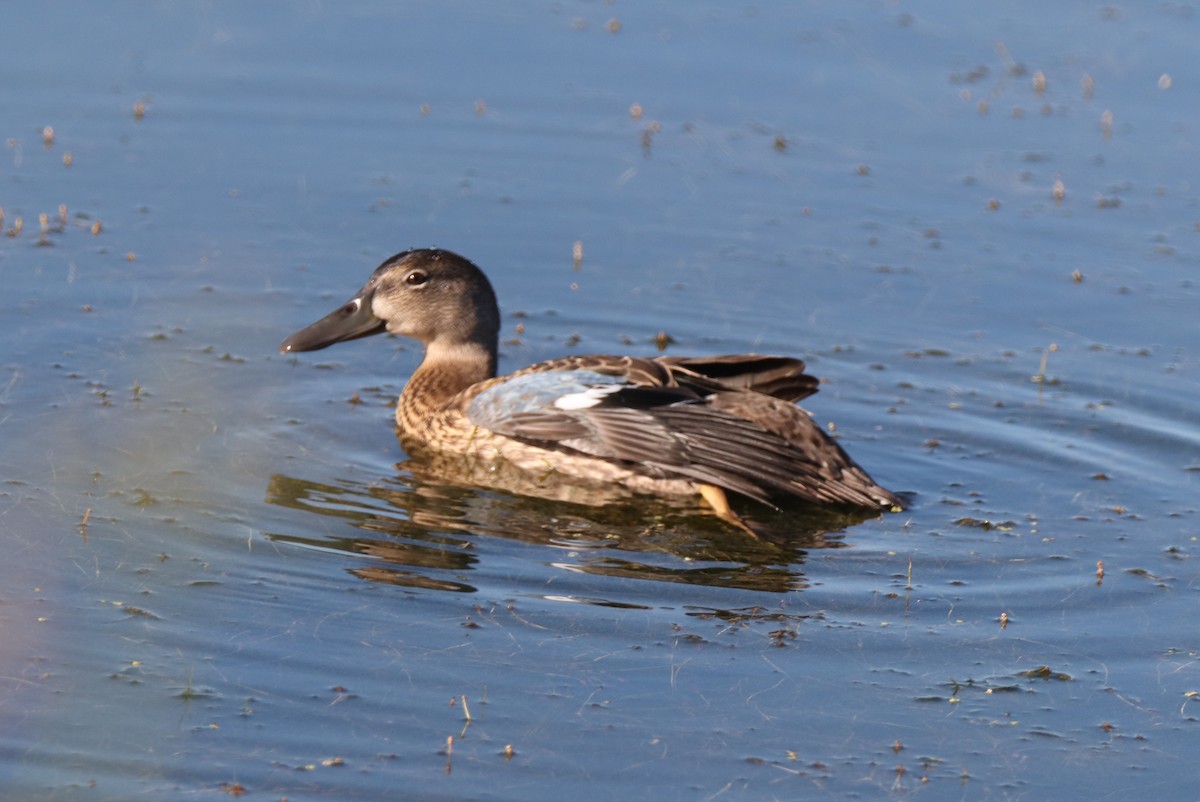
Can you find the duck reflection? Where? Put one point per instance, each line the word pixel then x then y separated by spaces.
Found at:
pixel 421 526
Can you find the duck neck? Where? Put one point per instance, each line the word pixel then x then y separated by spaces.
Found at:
pixel 446 371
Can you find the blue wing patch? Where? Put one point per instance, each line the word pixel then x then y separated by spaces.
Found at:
pixel 541 392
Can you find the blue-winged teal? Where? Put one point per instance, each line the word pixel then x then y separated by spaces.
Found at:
pixel 665 425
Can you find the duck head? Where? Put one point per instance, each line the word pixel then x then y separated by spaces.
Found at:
pixel 429 294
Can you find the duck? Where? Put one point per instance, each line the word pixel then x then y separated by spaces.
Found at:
pixel 705 426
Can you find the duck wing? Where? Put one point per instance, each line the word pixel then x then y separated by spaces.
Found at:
pixel 778 376
pixel 672 418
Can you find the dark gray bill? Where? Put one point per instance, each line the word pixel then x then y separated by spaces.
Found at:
pixel 352 320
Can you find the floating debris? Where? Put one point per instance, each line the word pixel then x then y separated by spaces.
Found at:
pixel 1045 672
pixel 1058 191
pixel 130 609
pixel 986 525
pixel 466 710
pixel 648 135
pixel 1040 376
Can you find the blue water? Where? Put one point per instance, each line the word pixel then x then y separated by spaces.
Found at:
pixel 221 575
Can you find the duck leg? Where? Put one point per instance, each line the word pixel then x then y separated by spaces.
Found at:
pixel 716 499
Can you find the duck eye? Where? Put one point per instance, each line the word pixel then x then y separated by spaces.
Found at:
pixel 416 278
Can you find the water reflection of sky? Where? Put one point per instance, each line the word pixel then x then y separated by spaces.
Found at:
pixel 259 590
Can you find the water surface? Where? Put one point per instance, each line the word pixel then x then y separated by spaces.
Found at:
pixel 223 575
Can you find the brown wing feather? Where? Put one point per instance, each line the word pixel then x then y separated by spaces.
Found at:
pixel 726 421
pixel 778 376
